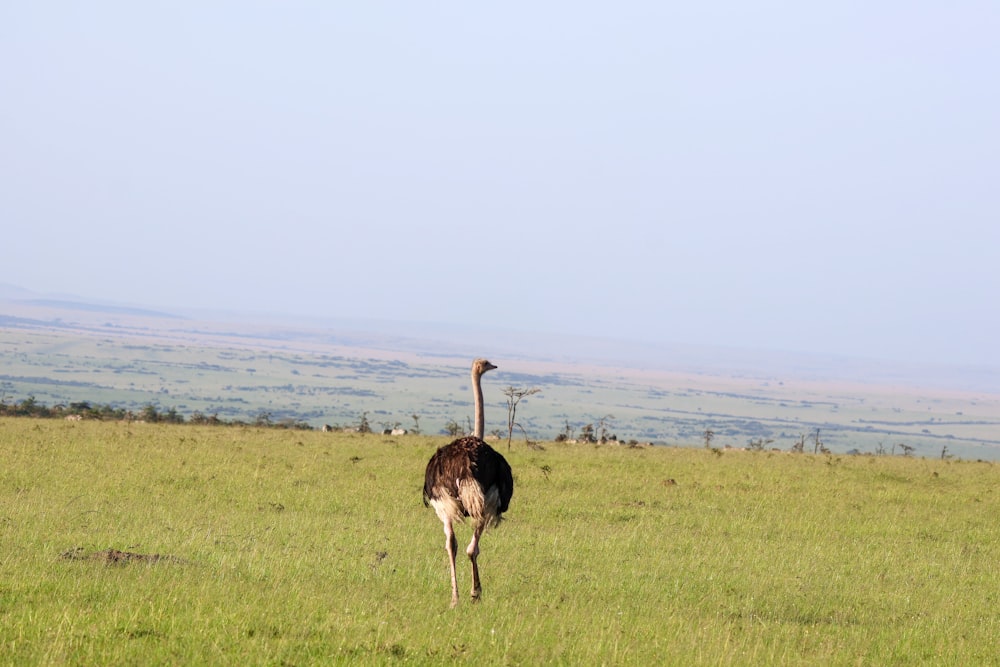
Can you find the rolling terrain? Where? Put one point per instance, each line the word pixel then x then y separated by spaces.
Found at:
pixel 241 367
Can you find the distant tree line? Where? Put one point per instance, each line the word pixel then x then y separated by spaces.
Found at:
pixel 30 407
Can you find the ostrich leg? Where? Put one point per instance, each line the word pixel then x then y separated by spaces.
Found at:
pixel 473 552
pixel 451 546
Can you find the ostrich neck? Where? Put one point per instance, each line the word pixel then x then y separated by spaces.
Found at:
pixel 477 393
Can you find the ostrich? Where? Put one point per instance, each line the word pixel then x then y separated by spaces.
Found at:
pixel 468 478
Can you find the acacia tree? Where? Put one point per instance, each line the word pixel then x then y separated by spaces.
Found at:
pixel 818 445
pixel 514 396
pixel 453 428
pixel 602 429
pixel 364 426
pixel 567 433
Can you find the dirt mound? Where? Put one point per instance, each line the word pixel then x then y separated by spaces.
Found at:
pixel 116 557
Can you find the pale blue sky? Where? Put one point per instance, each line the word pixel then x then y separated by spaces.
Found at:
pixel 803 176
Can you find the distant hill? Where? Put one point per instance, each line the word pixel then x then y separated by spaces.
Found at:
pixel 14 292
pixel 97 308
pixel 457 341
pixel 62 350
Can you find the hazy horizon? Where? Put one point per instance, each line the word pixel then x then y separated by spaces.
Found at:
pixel 430 339
pixel 58 351
pixel 810 179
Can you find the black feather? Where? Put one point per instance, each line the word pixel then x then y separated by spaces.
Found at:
pixel 464 458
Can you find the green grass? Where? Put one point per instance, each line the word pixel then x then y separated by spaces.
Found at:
pixel 314 548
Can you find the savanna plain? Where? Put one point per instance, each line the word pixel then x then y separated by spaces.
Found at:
pixel 131 543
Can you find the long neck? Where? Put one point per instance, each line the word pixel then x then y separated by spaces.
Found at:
pixel 477 393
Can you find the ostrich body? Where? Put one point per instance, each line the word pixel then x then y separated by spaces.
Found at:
pixel 468 478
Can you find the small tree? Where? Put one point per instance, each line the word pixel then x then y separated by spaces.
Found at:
pixel 566 434
pixel 452 428
pixel 514 397
pixel 817 443
pixel 363 425
pixel 602 429
pixel 708 435
pixel 149 414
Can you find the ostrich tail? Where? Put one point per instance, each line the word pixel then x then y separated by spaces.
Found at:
pixel 470 494
pixel 483 508
pixel 494 514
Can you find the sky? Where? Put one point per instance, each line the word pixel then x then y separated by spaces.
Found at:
pixel 815 177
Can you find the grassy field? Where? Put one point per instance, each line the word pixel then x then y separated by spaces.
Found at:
pixel 299 548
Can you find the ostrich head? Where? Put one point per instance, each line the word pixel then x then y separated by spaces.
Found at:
pixel 480 366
